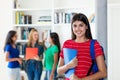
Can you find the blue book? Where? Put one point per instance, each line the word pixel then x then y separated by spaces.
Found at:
pixel 69 54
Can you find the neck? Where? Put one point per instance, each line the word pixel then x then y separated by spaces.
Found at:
pixel 33 43
pixel 81 39
pixel 13 45
pixel 52 44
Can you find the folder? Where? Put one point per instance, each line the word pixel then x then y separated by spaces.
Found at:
pixel 31 53
pixel 69 54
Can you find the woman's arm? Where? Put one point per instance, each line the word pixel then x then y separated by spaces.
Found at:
pixel 54 66
pixel 12 59
pixel 63 68
pixel 102 73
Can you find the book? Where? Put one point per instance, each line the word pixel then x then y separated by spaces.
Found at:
pixel 69 54
pixel 31 53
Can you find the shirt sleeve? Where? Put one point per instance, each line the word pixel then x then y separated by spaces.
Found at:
pixel 98 49
pixel 61 53
pixel 7 48
pixel 55 50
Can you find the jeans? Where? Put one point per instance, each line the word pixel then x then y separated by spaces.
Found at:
pixel 47 75
pixel 34 69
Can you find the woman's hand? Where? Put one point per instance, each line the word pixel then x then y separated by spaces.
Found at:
pixel 37 58
pixel 74 77
pixel 19 60
pixel 73 63
pixel 51 76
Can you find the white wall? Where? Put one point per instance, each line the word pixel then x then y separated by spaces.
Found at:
pixel 5 25
pixel 114 40
pixel 113 1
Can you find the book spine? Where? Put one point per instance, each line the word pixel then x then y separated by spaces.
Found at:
pixel 17 18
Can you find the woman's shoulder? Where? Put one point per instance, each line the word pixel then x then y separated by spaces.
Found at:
pixel 68 41
pixel 8 46
pixel 39 45
pixel 55 46
pixel 96 41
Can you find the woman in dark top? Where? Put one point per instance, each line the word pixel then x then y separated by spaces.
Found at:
pixel 12 56
pixel 34 65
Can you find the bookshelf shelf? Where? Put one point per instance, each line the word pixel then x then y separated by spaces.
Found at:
pixel 22 41
pixel 62 24
pixel 33 25
pixel 31 9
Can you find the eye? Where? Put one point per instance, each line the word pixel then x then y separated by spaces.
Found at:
pixel 74 25
pixel 81 25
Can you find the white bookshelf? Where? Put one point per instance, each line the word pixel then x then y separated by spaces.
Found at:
pixel 35 9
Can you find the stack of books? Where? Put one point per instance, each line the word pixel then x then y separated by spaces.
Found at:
pixel 44 20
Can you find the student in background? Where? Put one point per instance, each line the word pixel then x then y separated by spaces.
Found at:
pixel 34 66
pixel 12 56
pixel 51 56
pixel 81 38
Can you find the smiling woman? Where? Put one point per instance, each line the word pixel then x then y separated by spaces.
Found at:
pixel 81 41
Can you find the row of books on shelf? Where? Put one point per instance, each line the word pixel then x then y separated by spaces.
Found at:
pixel 22 18
pixel 23 33
pixel 62 17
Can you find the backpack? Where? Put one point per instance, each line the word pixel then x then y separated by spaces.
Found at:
pixel 94 67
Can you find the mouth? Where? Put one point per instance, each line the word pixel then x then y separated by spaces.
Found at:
pixel 79 32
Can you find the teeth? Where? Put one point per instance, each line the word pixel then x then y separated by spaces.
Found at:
pixel 78 32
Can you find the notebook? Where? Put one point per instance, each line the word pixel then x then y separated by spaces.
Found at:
pixel 31 53
pixel 69 54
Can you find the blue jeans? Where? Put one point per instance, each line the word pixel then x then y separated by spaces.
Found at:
pixel 47 74
pixel 34 69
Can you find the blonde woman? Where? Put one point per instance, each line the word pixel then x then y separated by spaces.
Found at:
pixel 34 65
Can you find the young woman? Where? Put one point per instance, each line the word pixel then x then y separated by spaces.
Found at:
pixel 81 38
pixel 34 65
pixel 12 56
pixel 51 56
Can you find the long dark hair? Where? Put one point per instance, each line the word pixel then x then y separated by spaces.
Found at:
pixel 9 37
pixel 55 38
pixel 84 19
